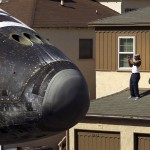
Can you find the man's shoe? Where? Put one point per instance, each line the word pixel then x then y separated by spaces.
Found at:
pixel 137 98
pixel 130 97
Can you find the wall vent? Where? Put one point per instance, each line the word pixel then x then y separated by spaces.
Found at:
pixel 62 3
pixel 3 1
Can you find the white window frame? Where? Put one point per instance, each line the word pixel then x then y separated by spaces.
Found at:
pixel 125 37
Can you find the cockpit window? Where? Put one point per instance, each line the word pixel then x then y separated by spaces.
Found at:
pixel 33 38
pixel 28 39
pixel 21 39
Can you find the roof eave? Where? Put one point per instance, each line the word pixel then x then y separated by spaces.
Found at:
pixel 112 25
pixel 119 117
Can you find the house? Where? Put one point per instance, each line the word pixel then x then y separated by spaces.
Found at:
pixel 65 25
pixel 114 123
pixel 116 38
pixel 123 6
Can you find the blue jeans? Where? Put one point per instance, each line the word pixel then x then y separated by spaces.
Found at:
pixel 134 89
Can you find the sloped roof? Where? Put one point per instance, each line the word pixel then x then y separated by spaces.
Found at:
pixel 21 9
pixel 49 13
pixel 137 17
pixel 119 106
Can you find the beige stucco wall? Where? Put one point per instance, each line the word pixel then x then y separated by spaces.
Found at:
pixel 108 83
pixel 67 40
pixel 113 5
pixel 120 5
pixel 126 133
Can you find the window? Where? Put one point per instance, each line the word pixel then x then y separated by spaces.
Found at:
pixel 20 39
pixel 85 48
pixel 126 47
pixel 129 9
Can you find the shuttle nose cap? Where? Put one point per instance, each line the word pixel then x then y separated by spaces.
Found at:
pixel 66 100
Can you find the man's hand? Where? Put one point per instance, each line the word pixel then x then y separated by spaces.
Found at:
pixel 129 57
pixel 130 62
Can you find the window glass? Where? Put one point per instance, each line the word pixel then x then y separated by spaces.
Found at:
pixel 85 48
pixel 123 60
pixel 126 47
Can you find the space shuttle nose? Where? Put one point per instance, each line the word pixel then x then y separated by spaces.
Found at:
pixel 66 100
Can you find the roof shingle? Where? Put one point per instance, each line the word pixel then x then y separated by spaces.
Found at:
pixel 49 13
pixel 140 16
pixel 119 106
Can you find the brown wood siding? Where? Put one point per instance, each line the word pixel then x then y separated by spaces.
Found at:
pixel 142 142
pixel 98 52
pixel 101 45
pixel 107 48
pixel 97 141
pixel 147 52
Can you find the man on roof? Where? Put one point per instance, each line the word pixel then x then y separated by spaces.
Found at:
pixel 135 76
